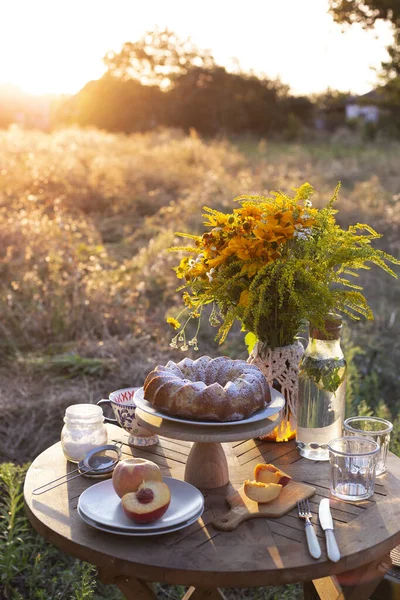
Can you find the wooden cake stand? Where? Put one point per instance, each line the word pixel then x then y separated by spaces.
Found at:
pixel 207 465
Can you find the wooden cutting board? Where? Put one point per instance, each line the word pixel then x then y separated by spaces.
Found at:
pixel 242 508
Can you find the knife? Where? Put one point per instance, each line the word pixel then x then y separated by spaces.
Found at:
pixel 325 518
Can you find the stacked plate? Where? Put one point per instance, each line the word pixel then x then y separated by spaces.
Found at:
pixel 100 507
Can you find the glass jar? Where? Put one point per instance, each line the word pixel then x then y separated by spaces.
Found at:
pixel 322 391
pixel 84 430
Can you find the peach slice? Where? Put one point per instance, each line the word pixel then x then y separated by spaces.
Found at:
pixel 270 474
pixel 261 492
pixel 130 473
pixel 148 503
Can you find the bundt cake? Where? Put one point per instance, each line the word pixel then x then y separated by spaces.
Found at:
pixel 206 389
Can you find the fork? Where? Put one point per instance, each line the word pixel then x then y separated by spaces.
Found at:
pixel 304 511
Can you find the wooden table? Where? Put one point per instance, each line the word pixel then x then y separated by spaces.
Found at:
pixel 259 552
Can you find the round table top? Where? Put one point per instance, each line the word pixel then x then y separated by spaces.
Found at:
pixel 259 552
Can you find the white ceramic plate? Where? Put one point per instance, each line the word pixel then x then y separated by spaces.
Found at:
pixel 101 504
pixel 276 404
pixel 136 532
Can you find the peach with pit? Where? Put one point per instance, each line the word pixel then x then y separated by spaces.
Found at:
pixel 149 503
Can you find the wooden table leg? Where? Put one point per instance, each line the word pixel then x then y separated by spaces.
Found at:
pixel 326 588
pixel 357 584
pixel 131 587
pixel 203 594
pixel 135 589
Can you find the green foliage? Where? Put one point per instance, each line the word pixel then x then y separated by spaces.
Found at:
pixel 370 131
pixel 86 582
pixel 275 263
pixel 30 568
pixel 364 392
pixel 328 374
pixel 293 128
pixel 68 365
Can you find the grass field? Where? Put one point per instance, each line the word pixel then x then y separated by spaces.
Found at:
pixel 86 284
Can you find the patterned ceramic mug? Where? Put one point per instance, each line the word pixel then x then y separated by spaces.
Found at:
pixel 123 404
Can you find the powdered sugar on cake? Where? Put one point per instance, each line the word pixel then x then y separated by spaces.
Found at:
pixel 206 389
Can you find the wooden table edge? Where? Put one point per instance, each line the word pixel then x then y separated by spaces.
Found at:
pixel 187 577
pixel 164 573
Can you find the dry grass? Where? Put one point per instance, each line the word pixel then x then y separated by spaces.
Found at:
pixel 85 218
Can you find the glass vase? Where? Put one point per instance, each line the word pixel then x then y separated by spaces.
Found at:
pixel 322 391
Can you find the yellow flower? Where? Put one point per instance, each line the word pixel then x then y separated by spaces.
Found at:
pixel 307 217
pixel 216 220
pixel 187 300
pixel 286 231
pixel 173 322
pixel 269 232
pixel 304 191
pixel 244 298
pixel 218 260
pixel 245 248
pixel 182 268
pixel 249 211
pixel 285 217
pixel 197 269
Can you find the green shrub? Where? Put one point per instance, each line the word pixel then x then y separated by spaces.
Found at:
pixel 30 568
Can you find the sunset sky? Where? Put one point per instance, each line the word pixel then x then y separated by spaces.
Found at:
pixel 54 46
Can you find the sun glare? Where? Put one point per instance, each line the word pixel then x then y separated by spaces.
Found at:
pixel 57 47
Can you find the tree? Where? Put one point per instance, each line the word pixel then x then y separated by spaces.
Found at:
pixel 366 12
pixel 157 59
pixel 214 100
pixel 125 106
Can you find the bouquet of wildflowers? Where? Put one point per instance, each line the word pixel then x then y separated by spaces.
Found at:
pixel 272 263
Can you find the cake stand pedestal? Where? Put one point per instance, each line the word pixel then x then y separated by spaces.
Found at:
pixel 207 465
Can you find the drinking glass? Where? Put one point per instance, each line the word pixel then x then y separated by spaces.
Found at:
pixel 375 429
pixel 352 467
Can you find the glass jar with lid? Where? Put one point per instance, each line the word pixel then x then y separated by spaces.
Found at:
pixel 322 390
pixel 84 430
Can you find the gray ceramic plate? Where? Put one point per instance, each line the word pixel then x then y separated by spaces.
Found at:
pixel 276 404
pixel 118 531
pixel 100 504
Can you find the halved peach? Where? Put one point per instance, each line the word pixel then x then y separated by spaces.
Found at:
pixel 270 474
pixel 261 492
pixel 150 501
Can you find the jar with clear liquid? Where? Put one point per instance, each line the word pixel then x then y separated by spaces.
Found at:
pixel 322 391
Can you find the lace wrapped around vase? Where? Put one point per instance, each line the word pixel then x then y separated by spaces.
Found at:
pixel 281 369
